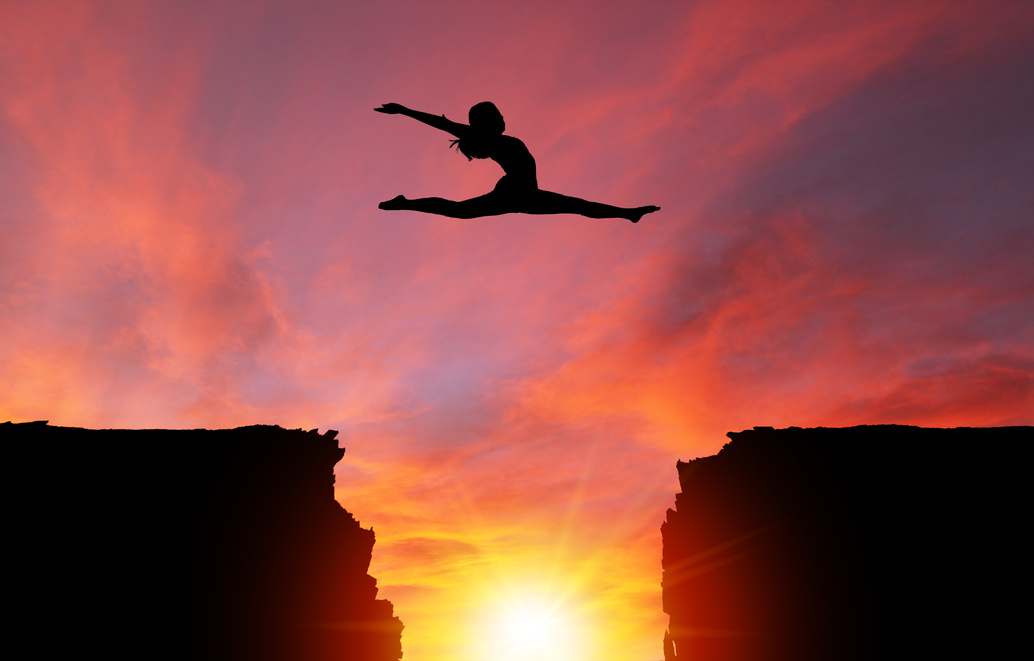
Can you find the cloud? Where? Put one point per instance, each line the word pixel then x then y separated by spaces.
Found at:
pixel 865 233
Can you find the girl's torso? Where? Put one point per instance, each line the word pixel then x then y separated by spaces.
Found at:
pixel 513 156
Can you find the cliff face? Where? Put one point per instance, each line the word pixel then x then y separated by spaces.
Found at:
pixel 188 544
pixel 858 543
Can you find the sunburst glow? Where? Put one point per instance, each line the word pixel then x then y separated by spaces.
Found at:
pixel 527 627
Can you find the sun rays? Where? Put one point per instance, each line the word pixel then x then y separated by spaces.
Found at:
pixel 530 629
pixel 528 626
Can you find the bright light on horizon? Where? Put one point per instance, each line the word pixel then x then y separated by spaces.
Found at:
pixel 525 626
pixel 530 629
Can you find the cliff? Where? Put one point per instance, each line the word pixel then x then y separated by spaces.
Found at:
pixel 857 543
pixel 187 544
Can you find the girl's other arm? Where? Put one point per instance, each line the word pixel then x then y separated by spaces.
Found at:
pixel 441 123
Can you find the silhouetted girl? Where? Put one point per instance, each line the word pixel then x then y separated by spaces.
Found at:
pixel 518 191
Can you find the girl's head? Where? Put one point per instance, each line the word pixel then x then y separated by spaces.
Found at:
pixel 486 123
pixel 486 118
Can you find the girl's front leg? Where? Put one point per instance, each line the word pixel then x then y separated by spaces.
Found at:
pixel 477 207
pixel 394 204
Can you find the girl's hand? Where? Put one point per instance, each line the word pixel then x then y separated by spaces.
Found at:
pixel 391 109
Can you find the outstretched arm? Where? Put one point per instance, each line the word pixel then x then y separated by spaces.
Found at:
pixel 441 123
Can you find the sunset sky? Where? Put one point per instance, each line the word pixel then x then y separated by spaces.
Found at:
pixel 190 238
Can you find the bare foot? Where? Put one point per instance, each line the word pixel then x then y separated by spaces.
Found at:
pixel 396 203
pixel 635 214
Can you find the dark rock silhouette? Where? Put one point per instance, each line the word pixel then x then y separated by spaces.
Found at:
pixel 858 543
pixel 187 545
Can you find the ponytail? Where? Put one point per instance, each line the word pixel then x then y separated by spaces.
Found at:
pixel 459 144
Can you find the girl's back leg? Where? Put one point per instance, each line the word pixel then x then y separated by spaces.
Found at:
pixel 548 202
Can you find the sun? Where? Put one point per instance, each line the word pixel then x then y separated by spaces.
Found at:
pixel 531 628
pixel 528 628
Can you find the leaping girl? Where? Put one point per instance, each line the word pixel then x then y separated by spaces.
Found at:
pixel 518 191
